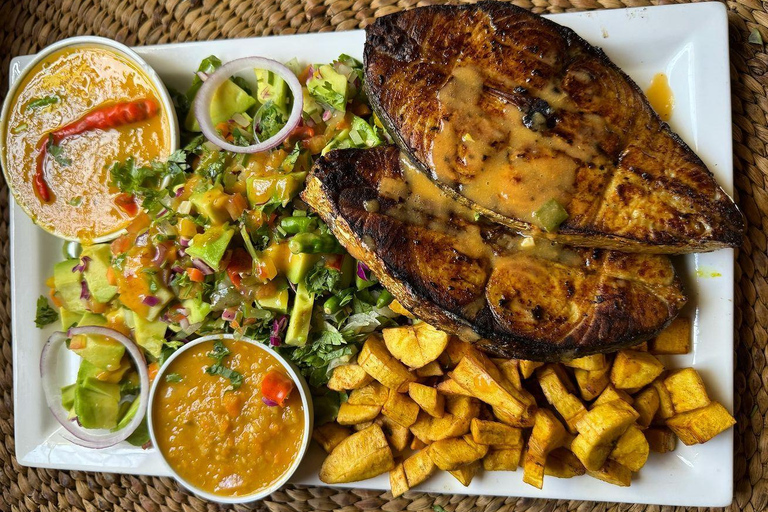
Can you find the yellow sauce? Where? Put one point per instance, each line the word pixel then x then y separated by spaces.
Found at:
pixel 224 441
pixel 660 96
pixel 82 78
pixel 499 154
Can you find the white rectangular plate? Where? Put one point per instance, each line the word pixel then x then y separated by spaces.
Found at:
pixel 687 42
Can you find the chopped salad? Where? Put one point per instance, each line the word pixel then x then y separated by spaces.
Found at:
pixel 221 242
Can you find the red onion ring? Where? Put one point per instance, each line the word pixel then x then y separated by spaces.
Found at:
pixel 74 433
pixel 202 103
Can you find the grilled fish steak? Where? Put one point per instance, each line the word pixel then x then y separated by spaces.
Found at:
pixel 507 111
pixel 511 296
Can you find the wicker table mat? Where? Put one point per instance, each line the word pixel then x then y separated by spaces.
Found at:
pixel 27 26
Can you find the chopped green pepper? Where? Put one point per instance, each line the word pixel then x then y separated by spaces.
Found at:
pixel 550 215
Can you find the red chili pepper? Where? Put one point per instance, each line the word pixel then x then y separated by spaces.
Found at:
pixel 103 118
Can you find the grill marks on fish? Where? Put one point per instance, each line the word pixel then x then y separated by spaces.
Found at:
pixel 515 296
pixel 506 110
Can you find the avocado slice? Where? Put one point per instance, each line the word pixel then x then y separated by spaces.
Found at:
pixel 96 403
pixel 68 318
pixel 204 203
pixel 210 245
pixel 280 189
pixel 96 272
pixel 164 295
pixel 278 300
pixel 98 350
pixel 127 412
pixel 298 266
pixel 329 87
pixel 67 284
pixel 271 87
pixel 301 316
pixel 197 309
pixel 68 396
pixel 150 335
pixel 228 100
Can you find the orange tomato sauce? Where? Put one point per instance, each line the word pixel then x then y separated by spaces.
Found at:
pixel 226 442
pixel 83 78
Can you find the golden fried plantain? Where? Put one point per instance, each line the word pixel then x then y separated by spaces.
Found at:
pixel 362 455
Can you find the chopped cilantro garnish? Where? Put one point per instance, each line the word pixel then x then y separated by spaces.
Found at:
pixel 45 313
pixel 173 377
pixel 219 352
pixel 321 278
pixel 56 152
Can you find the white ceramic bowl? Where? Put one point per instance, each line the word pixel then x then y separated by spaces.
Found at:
pixel 165 101
pixel 306 401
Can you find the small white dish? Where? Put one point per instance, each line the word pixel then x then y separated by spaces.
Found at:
pixel 135 58
pixel 306 402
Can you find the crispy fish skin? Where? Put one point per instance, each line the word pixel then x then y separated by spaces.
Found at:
pixel 509 302
pixel 643 189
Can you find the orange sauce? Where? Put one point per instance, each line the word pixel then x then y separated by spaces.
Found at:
pixel 82 79
pixel 660 96
pixel 224 441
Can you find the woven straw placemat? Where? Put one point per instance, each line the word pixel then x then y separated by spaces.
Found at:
pixel 27 26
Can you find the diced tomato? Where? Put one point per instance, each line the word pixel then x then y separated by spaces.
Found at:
pixel 304 75
pixel 240 261
pixel 121 244
pixel 334 261
pixel 127 203
pixel 195 275
pixel 302 132
pixel 276 387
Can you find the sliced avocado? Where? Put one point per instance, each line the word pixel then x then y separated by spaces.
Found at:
pixel 310 106
pixel 210 245
pixel 67 284
pixel 271 87
pixel 298 266
pixel 205 204
pixel 68 396
pixel 280 189
pixel 96 405
pixel 164 295
pixel 96 272
pixel 278 300
pixel 98 350
pixel 127 412
pixel 150 335
pixel 86 370
pixel 228 100
pixel 329 87
pixel 198 310
pixel 120 316
pixel 68 318
pixel 301 316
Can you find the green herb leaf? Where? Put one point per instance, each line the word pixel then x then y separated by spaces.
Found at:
pixel 42 102
pixel 208 66
pixel 755 37
pixel 45 313
pixel 219 352
pixel 235 378
pixel 173 377
pixel 321 278
pixel 56 152
pixel 75 201
pixel 438 508
pixel 269 120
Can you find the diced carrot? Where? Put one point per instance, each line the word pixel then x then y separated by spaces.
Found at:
pixel 152 370
pixel 55 299
pixel 232 403
pixel 195 275
pixel 111 278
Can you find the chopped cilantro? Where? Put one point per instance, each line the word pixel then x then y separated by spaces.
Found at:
pixel 173 377
pixel 219 352
pixel 56 152
pixel 321 278
pixel 45 313
pixel 269 120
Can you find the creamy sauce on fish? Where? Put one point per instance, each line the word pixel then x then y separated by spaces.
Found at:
pixel 496 147
pixel 420 202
